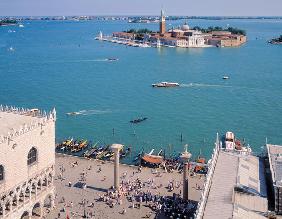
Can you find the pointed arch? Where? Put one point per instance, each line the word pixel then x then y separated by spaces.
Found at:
pixel 32 156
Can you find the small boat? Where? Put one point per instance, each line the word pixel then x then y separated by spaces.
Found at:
pixel 21 25
pixel 152 160
pixel 138 120
pixel 109 154
pixel 112 59
pixel 11 49
pixel 125 152
pixel 100 36
pixel 225 77
pixel 166 84
pixel 139 155
pixel 68 142
pixel 144 45
pixel 73 113
pixel 91 151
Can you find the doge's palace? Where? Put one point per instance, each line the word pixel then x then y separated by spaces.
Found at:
pixel 27 162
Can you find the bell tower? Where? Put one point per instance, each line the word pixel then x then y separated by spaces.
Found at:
pixel 162 23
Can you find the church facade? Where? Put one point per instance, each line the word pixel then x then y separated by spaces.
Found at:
pixel 177 37
pixel 27 162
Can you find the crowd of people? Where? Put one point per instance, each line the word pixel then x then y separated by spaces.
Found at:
pixel 134 193
pixel 138 193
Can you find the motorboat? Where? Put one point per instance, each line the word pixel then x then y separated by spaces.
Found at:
pixel 11 49
pixel 139 120
pixel 166 84
pixel 21 25
pixel 73 113
pixel 225 77
pixel 234 144
pixel 112 59
pixel 229 141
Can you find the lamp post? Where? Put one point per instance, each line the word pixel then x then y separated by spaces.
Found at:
pixel 185 157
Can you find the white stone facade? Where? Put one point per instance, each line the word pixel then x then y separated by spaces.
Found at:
pixel 28 160
pixel 191 41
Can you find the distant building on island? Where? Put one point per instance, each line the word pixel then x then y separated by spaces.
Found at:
pixel 27 162
pixel 225 39
pixel 179 37
pixel 185 37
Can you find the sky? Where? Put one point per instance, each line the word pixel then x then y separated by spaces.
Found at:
pixel 141 7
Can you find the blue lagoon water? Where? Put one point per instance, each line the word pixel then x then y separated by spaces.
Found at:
pixel 59 64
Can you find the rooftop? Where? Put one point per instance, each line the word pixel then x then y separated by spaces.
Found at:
pixel 219 204
pixel 236 174
pixel 11 121
pixel 275 161
pixel 17 121
pixel 251 176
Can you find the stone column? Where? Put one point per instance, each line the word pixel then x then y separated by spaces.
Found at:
pixel 116 148
pixel 185 181
pixel 185 157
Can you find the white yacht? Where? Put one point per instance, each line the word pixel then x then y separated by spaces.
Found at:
pixel 166 84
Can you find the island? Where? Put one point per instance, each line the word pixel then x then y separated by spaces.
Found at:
pixel 276 40
pixel 180 36
pixel 7 22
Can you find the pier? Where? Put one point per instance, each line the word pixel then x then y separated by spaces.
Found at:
pixel 235 186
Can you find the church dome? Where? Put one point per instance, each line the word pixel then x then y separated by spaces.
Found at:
pixel 185 27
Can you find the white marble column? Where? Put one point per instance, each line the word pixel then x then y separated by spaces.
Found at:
pixel 116 148
pixel 185 156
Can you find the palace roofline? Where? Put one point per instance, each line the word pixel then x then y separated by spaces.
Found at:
pixel 18 121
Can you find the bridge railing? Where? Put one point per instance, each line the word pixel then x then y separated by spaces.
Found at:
pixel 207 185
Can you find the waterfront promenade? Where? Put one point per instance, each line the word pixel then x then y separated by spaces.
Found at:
pixel 74 201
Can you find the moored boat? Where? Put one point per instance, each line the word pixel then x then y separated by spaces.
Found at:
pixel 152 160
pixel 233 144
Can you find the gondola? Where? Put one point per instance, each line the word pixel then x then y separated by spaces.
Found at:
pixel 138 120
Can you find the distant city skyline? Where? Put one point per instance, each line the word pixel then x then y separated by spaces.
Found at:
pixel 145 7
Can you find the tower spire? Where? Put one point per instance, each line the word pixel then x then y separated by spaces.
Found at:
pixel 162 23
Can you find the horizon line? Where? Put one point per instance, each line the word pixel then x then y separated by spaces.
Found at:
pixel 112 15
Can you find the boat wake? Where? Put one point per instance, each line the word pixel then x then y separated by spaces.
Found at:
pixel 203 85
pixel 80 60
pixel 84 60
pixel 70 61
pixel 93 112
pixel 89 112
